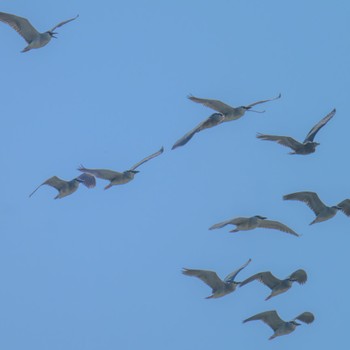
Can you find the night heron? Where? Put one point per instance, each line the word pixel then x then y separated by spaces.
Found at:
pixel 115 177
pixel 321 211
pixel 65 188
pixel 279 326
pixel 245 224
pixel 23 27
pixel 276 285
pixel 308 146
pixel 226 113
pixel 219 288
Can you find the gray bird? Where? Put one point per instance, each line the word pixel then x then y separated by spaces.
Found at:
pixel 245 224
pixel 219 288
pixel 308 145
pixel 115 177
pixel 23 27
pixel 226 113
pixel 276 285
pixel 321 211
pixel 65 188
pixel 279 326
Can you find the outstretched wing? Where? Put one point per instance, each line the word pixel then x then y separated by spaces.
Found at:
pixel 235 221
pixel 276 225
pixel 231 277
pixel 306 317
pixel 282 140
pixel 21 25
pixel 101 173
pixel 299 276
pixel 310 198
pixel 63 23
pixel 271 318
pixel 216 105
pixel 88 180
pixel 53 181
pixel 266 278
pixel 345 206
pixel 144 160
pixel 263 101
pixel 208 277
pixel 312 133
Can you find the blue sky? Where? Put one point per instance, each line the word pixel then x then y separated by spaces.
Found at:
pixel 102 269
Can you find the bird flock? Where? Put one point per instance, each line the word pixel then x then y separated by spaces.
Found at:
pixel 223 113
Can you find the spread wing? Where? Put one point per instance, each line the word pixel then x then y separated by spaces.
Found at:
pixel 53 181
pixel 345 206
pixel 276 225
pixel 282 140
pixel 306 317
pixel 216 105
pixel 312 133
pixel 208 277
pixel 63 23
pixel 235 221
pixel 21 25
pixel 263 101
pixel 144 160
pixel 310 198
pixel 102 173
pixel 88 180
pixel 299 276
pixel 231 277
pixel 266 278
pixel 271 318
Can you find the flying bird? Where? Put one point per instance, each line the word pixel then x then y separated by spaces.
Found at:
pixel 245 224
pixel 322 211
pixel 115 177
pixel 219 288
pixel 225 113
pixel 23 27
pixel 308 145
pixel 276 285
pixel 65 188
pixel 279 326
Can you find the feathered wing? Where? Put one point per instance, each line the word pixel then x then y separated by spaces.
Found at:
pixel 208 277
pixel 271 318
pixel 266 278
pixel 102 173
pixel 53 181
pixel 306 317
pixel 345 206
pixel 312 133
pixel 276 225
pixel 21 25
pixel 88 180
pixel 63 23
pixel 263 101
pixel 221 224
pixel 282 140
pixel 299 276
pixel 310 198
pixel 231 277
pixel 144 160
pixel 216 105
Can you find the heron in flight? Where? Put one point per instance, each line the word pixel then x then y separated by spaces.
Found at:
pixel 279 326
pixel 219 288
pixel 23 27
pixel 115 177
pixel 225 113
pixel 245 224
pixel 322 211
pixel 276 285
pixel 308 145
pixel 65 188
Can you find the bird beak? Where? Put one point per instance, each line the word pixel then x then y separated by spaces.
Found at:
pixel 53 35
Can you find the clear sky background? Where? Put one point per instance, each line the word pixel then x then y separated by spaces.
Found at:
pixel 102 269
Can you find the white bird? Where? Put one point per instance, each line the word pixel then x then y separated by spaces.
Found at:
pixel 23 27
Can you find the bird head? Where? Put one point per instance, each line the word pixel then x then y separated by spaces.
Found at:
pixel 261 217
pixel 52 34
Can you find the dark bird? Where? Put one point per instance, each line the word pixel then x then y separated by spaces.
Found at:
pixel 225 113
pixel 276 285
pixel 23 27
pixel 115 177
pixel 308 145
pixel 65 188
pixel 321 211
pixel 219 287
pixel 279 326
pixel 245 224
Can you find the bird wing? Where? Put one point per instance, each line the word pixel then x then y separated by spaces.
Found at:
pixel 101 173
pixel 306 317
pixel 235 221
pixel 310 198
pixel 312 133
pixel 208 277
pixel 216 105
pixel 88 180
pixel 266 278
pixel 263 101
pixel 345 206
pixel 276 225
pixel 271 318
pixel 299 276
pixel 231 277
pixel 63 23
pixel 282 140
pixel 53 181
pixel 21 25
pixel 144 160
